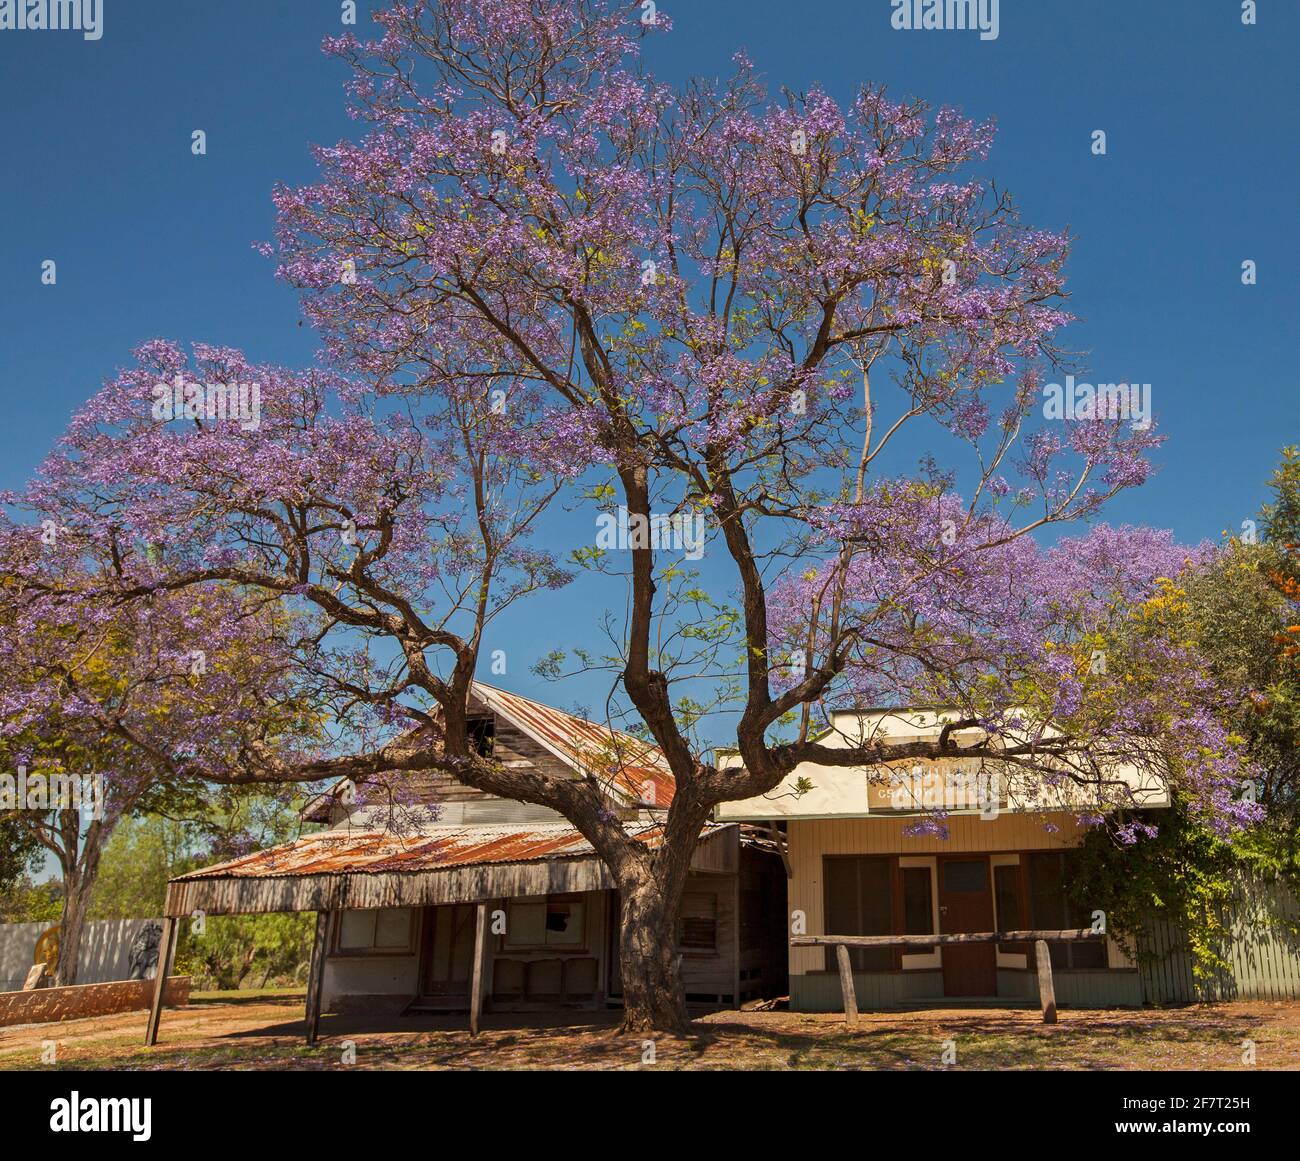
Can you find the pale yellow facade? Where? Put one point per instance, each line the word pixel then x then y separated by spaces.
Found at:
pixel 809 842
pixel 999 817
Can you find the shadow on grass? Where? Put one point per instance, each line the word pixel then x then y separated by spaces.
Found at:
pixel 589 1041
pixel 984 1043
pixel 242 999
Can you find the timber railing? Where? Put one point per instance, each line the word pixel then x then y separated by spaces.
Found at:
pixel 1040 940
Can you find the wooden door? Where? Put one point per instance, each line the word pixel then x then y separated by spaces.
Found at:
pixel 966 904
pixel 448 951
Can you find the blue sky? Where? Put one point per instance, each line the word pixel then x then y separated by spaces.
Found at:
pixel 1202 169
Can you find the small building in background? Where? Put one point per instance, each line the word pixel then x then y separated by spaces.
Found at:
pixel 865 858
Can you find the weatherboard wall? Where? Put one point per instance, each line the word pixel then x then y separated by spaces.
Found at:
pixel 809 841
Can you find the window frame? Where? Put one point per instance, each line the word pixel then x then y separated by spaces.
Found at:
pixel 1064 952
pixel 570 898
pixel 924 960
pixel 699 952
pixel 891 896
pixel 1010 960
pixel 900 959
pixel 373 952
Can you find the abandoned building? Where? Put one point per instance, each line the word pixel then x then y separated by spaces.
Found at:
pixel 403 905
pixel 409 885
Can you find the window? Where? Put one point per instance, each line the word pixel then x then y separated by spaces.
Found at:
pixel 697 926
pixel 917 882
pixel 965 876
pixel 482 735
pixel 1053 909
pixel 559 921
pixel 918 902
pixel 1010 907
pixel 385 931
pixel 859 901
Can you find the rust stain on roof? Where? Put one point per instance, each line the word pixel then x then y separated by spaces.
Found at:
pixel 636 767
pixel 376 852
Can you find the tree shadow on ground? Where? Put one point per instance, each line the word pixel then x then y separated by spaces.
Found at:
pixel 921 1041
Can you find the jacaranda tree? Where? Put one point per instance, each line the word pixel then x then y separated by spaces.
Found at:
pixel 114 706
pixel 808 328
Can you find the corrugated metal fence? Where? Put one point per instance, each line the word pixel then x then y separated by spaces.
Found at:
pixel 1263 948
pixel 105 950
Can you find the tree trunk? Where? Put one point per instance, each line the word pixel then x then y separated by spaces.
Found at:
pixel 76 901
pixel 246 966
pixel 79 860
pixel 653 1000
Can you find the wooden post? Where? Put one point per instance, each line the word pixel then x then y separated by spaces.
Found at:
pixel 1046 989
pixel 166 950
pixel 846 986
pixel 476 988
pixel 316 975
pixel 735 940
pixel 928 941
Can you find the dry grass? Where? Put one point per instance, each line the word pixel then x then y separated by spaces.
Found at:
pixel 261 1032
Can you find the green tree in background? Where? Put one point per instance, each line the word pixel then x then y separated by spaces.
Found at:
pixel 139 859
pixel 224 952
pixel 28 902
pixel 21 858
pixel 238 951
pixel 1281 516
pixel 20 854
pixel 1242 613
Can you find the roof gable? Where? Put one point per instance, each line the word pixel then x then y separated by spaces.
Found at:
pixel 635 772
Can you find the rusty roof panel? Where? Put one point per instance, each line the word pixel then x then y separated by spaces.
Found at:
pixel 376 852
pixel 629 761
pixel 637 769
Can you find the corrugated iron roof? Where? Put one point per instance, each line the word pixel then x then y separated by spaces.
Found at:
pixel 375 852
pixel 637 770
pixel 632 764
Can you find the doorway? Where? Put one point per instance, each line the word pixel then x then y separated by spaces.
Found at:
pixel 448 959
pixel 966 904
